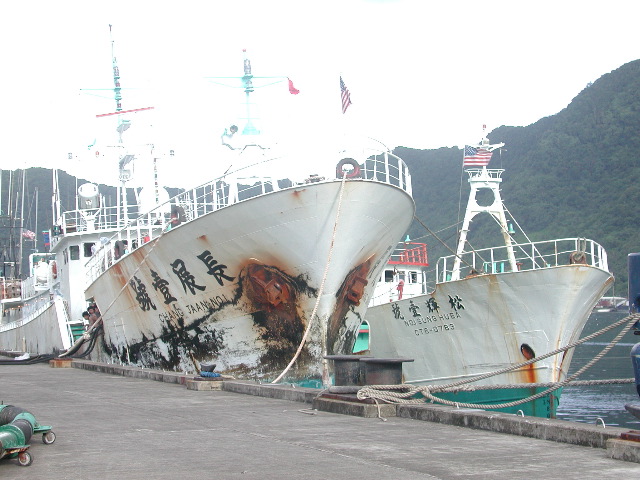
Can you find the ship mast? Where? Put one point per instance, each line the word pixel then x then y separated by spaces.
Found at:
pixel 122 126
pixel 249 128
pixel 484 179
pixel 248 86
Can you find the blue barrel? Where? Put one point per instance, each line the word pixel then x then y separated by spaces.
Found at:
pixel 633 263
pixel 635 360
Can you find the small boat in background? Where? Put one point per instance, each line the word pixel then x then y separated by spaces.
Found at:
pixel 611 304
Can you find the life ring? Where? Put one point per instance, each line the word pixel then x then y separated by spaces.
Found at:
pixel 577 257
pixel 54 269
pixel 118 249
pixel 355 171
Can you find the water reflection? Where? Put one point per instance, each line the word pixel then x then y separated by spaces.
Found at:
pixel 587 404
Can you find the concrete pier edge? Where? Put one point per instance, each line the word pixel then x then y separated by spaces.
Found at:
pixel 563 431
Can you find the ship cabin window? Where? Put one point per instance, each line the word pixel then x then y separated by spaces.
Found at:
pixel 74 252
pixel 89 248
pixel 413 277
pixel 388 276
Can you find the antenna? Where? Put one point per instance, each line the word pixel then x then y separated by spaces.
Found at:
pixel 249 128
pixel 123 124
pixel 116 73
pixel 248 87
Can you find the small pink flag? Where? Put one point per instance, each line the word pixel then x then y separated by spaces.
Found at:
pixel 292 90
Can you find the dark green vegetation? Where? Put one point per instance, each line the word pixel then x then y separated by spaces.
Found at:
pixel 573 174
pixel 34 207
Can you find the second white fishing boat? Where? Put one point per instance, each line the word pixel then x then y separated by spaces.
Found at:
pixel 491 308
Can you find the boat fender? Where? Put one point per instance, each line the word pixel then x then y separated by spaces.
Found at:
pixel 54 269
pixel 355 171
pixel 577 257
pixel 118 249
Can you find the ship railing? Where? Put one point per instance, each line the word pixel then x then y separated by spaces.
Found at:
pixel 26 311
pixel 28 287
pixel 264 176
pixel 528 256
pixel 410 253
pixel 36 305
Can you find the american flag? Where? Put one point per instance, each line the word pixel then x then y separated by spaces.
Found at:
pixel 28 234
pixel 476 157
pixel 346 96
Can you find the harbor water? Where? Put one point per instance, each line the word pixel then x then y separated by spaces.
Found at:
pixel 589 403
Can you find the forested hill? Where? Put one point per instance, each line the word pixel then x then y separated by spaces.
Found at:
pixel 572 174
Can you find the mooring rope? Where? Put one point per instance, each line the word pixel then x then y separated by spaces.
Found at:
pixel 406 393
pixel 321 290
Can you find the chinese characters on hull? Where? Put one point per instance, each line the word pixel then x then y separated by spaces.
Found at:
pixel 141 294
pixel 415 318
pixel 184 275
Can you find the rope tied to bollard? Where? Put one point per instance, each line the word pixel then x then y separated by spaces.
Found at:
pixel 407 392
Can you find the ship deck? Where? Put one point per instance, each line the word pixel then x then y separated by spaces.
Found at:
pixel 184 433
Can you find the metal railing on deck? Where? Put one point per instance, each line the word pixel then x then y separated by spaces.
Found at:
pixel 410 253
pixel 529 256
pixel 251 181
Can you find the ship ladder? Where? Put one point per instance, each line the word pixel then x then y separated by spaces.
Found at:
pixel 77 330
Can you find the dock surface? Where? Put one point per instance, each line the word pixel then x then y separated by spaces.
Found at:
pixel 112 426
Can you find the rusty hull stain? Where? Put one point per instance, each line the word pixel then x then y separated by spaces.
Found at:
pixel 265 292
pixel 273 299
pixel 349 294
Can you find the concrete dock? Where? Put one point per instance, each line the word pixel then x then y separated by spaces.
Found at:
pixel 117 422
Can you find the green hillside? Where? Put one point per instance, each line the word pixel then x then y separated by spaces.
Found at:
pixel 571 174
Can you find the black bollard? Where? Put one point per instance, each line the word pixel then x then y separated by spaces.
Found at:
pixel 347 370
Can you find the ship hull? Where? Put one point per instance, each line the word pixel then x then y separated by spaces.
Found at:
pixel 37 332
pixel 490 322
pixel 240 287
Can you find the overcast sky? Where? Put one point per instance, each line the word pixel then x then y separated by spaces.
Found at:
pixel 421 73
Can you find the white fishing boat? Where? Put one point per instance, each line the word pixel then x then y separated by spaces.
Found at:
pixel 33 317
pixel 611 304
pixel 490 308
pixel 261 271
